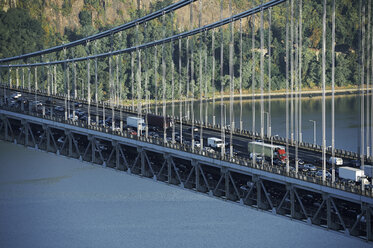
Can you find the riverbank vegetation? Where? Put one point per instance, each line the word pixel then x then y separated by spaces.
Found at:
pixel 24 29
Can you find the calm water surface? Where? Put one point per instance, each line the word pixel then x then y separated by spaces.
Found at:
pixel 347 118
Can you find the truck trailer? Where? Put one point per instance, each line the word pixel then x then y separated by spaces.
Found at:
pixel 268 150
pixel 350 173
pixel 158 121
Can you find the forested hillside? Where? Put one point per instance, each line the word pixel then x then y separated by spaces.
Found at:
pixel 30 25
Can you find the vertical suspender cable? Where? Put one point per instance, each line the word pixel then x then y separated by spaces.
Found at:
pixel 323 93
pixel 368 82
pixel 287 85
pixel 333 82
pixel 241 123
pixel 146 84
pixel 36 87
pixel 139 95
pixel 213 76
pixel 17 80
pixel 89 90
pixel 300 68
pixel 205 74
pixel 23 78
pixel 371 77
pixel 155 79
pixel 180 96
pixel 117 81
pixel 231 83
pixel 29 78
pixel 68 90
pixel 172 80
pixel 269 131
pixel 253 79
pixel 187 110
pixel 296 95
pixel 164 82
pixel 55 79
pixel 222 83
pixel 192 74
pixel 74 82
pixel 96 93
pixel 262 82
pixel 200 76
pixel 292 72
pixel 132 82
pixel 362 92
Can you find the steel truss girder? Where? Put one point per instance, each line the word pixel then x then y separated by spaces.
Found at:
pixel 143 158
pixel 228 179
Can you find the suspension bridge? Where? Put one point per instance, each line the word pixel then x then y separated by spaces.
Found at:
pixel 152 130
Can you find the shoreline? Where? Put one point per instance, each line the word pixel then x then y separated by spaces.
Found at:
pixel 282 95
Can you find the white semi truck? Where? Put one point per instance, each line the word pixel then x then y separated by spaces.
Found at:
pixel 353 174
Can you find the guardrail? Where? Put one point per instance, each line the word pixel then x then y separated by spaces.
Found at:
pixel 265 166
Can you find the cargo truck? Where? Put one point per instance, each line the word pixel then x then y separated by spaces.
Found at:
pixel 278 152
pixel 353 174
pixel 135 122
pixel 158 121
pixel 215 142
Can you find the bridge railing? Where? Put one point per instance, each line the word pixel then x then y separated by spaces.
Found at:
pixel 242 161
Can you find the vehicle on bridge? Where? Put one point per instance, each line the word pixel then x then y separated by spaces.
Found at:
pixel 268 150
pixel 356 175
pixel 158 121
pixel 215 142
pixel 135 122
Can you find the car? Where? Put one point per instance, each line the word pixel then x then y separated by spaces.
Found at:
pixel 59 109
pixel 78 104
pixel 310 167
pixel 133 132
pixel 79 112
pixel 195 129
pixel 301 167
pixel 208 149
pixel 319 174
pixel 36 103
pixel 300 161
pixel 16 95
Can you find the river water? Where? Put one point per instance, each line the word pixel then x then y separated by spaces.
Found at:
pixel 347 118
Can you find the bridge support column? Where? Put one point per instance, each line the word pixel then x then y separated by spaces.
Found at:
pixel 47 136
pixel 70 140
pixel 368 220
pixel 142 160
pixel 258 185
pixel 25 130
pixel 6 126
pixel 92 140
pixel 195 164
pixel 224 171
pixel 115 145
pixel 328 210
